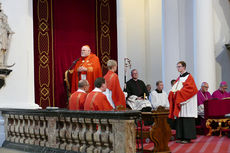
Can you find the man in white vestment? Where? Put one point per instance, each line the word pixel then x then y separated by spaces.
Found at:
pixel 183 105
pixel 159 97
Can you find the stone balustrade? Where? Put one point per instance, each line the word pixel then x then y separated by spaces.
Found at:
pixel 79 131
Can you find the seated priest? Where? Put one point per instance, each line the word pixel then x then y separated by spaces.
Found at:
pixel 87 68
pixel 114 92
pixel 137 93
pixel 77 99
pixel 96 100
pixel 202 96
pixel 221 93
pixel 159 97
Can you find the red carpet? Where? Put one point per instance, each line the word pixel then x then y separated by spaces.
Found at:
pixel 203 144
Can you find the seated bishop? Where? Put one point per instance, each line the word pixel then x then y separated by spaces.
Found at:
pixel 96 100
pixel 221 93
pixel 77 99
pixel 202 96
pixel 114 92
pixel 87 68
pixel 137 93
pixel 159 97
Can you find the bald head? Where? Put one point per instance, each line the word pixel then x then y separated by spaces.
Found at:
pixel 204 87
pixel 85 51
pixel 83 85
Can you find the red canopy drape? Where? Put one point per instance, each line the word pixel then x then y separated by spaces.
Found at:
pixel 60 29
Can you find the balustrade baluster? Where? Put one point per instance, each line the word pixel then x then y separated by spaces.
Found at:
pixel 16 128
pixel 31 129
pixel 21 129
pixel 75 134
pixel 97 136
pixel 89 135
pixel 27 126
pixel 82 134
pixel 42 129
pixel 69 133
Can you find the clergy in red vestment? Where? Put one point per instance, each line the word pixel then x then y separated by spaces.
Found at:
pixel 183 105
pixel 87 68
pixel 96 100
pixel 221 93
pixel 202 96
pixel 77 99
pixel 114 92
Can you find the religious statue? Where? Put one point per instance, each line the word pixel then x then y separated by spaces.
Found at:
pixel 5 39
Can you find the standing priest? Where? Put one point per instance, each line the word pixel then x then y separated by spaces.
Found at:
pixel 183 105
pixel 87 68
pixel 114 92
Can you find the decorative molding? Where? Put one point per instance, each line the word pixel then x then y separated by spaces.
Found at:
pixel 106 37
pixel 44 56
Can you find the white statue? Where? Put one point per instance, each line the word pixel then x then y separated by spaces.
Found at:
pixel 5 38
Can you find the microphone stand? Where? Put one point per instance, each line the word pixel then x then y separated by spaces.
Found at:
pixel 68 89
pixel 73 64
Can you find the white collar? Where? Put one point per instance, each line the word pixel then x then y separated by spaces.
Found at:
pixel 97 90
pixel 79 90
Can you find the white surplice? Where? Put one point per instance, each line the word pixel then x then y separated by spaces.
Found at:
pixel 188 107
pixel 159 99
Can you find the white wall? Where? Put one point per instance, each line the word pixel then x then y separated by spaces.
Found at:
pixel 139 38
pixel 19 89
pixel 153 41
pixel 170 52
pixel 222 36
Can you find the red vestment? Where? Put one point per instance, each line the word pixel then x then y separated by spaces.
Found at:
pixel 94 71
pixel 97 101
pixel 113 85
pixel 77 101
pixel 188 90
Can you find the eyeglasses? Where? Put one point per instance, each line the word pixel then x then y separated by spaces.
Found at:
pixel 205 86
pixel 179 67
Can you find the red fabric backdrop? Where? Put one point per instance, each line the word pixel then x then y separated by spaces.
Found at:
pixel 69 25
pixel 70 33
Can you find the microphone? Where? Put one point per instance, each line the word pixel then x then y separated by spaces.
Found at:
pixel 73 64
pixel 76 60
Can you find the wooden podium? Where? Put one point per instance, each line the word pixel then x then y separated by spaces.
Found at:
pixel 160 131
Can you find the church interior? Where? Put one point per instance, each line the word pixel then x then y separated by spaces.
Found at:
pixel 154 75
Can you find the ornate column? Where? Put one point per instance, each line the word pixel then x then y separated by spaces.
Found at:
pixel 204 54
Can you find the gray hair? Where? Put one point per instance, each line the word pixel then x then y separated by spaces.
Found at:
pixel 83 83
pixel 133 70
pixel 203 84
pixel 111 64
